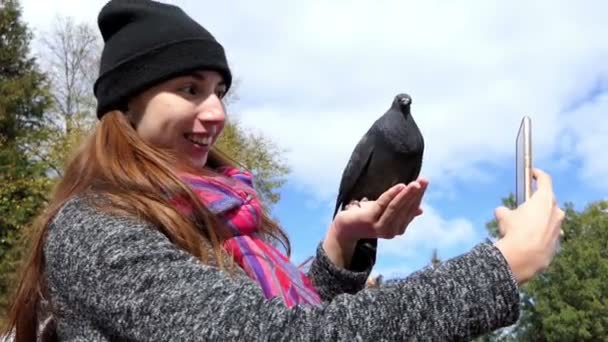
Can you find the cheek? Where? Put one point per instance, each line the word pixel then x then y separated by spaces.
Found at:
pixel 150 131
pixel 148 128
pixel 159 127
pixel 220 129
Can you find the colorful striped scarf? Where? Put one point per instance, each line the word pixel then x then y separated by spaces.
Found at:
pixel 233 199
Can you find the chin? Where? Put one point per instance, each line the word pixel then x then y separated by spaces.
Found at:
pixel 200 162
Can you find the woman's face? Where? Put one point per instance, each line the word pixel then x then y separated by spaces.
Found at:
pixel 184 114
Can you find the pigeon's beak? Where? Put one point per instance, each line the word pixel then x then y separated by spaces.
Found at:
pixel 404 105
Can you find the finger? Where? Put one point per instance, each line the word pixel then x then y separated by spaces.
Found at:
pixel 401 210
pixel 423 187
pixel 558 215
pixel 501 213
pixel 401 229
pixel 418 210
pixel 411 209
pixel 386 198
pixel 543 180
pixel 411 201
pixel 395 215
pixel 554 229
pixel 386 221
pixel 558 219
pixel 423 182
pixel 352 204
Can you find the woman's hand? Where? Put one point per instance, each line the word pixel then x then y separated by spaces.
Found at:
pixel 386 217
pixel 531 232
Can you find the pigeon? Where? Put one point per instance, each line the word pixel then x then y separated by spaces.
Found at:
pixel 389 153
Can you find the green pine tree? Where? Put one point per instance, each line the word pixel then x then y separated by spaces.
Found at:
pixel 567 302
pixel 570 300
pixel 23 183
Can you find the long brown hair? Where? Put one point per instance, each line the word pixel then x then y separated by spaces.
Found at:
pixel 131 177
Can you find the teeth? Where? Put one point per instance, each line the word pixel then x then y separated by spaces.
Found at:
pixel 200 140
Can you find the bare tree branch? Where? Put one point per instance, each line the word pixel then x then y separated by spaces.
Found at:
pixel 70 54
pixel 70 57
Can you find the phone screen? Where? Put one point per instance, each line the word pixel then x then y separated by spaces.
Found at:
pixel 523 162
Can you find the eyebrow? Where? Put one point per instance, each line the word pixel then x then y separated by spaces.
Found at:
pixel 199 76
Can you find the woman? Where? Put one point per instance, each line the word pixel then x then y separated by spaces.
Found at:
pixel 153 235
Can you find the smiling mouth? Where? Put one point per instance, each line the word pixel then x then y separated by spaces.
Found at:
pixel 203 141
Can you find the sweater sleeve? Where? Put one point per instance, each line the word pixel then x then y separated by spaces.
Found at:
pixel 133 284
pixel 331 280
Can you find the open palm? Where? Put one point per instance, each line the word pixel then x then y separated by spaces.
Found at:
pixel 386 217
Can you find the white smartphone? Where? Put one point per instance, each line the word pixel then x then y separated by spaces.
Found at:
pixel 523 156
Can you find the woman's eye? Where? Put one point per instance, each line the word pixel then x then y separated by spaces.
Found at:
pixel 189 89
pixel 220 93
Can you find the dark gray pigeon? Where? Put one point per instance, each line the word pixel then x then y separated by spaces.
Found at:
pixel 389 153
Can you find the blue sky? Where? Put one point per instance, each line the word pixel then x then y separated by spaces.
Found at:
pixel 314 75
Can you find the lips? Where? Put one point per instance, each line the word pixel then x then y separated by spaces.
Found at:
pixel 202 140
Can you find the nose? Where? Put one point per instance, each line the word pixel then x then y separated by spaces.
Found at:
pixel 211 111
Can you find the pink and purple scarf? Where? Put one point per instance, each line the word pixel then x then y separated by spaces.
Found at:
pixel 234 200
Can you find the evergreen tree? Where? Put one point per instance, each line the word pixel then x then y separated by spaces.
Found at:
pixel 24 186
pixel 567 302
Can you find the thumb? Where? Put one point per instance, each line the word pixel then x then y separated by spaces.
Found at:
pixel 501 213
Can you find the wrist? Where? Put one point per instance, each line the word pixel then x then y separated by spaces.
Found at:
pixel 520 268
pixel 338 248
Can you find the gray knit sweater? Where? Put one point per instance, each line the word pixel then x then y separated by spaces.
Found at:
pixel 118 279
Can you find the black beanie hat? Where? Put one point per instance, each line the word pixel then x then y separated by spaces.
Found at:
pixel 147 42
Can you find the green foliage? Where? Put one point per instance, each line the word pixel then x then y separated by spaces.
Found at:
pixel 569 301
pixel 23 192
pixel 257 154
pixel 571 298
pixel 23 94
pixel 24 186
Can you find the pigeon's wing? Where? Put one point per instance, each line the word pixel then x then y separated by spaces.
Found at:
pixel 358 163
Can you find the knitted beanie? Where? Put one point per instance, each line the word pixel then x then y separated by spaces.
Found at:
pixel 147 42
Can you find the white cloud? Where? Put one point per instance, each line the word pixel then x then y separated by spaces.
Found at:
pixel 316 156
pixel 426 232
pixel 589 126
pixel 40 15
pixel 316 74
pixel 320 78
